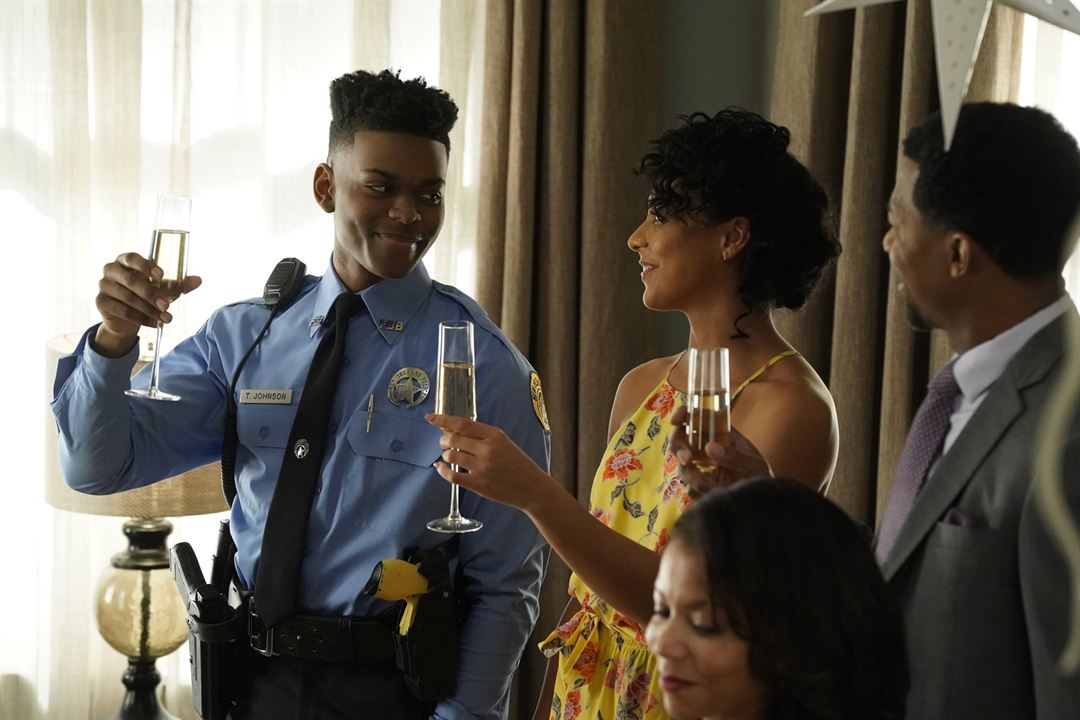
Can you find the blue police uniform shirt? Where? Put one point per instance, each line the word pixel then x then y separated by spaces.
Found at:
pixel 377 488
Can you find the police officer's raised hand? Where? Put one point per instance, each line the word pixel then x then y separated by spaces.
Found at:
pixel 736 458
pixel 497 468
pixel 127 299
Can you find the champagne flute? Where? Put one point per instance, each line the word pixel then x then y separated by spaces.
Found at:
pixel 172 225
pixel 455 394
pixel 709 393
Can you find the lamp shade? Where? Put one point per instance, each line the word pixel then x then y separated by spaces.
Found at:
pixel 195 492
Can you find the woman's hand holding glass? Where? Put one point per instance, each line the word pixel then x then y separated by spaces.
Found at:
pixel 710 452
pixel 455 394
pixel 735 457
pixel 496 468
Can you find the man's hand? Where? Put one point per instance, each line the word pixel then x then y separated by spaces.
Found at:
pixel 736 458
pixel 127 299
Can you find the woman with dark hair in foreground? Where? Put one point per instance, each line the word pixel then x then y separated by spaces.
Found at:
pixel 769 606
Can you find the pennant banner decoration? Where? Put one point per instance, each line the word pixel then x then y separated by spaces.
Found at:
pixel 958 33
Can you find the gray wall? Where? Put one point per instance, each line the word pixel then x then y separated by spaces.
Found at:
pixel 715 53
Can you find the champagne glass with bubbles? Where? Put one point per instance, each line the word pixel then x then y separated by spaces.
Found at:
pixel 455 394
pixel 709 402
pixel 168 249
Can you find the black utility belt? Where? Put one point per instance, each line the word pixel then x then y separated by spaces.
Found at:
pixel 330 639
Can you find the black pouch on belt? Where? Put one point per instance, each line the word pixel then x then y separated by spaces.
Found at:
pixel 216 645
pixel 216 635
pixel 426 638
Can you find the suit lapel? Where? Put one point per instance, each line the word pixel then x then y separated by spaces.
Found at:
pixel 1003 404
pixel 997 412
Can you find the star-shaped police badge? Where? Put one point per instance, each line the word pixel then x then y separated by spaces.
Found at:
pixel 408 387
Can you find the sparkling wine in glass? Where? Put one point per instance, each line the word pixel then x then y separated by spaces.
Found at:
pixel 455 394
pixel 709 399
pixel 168 249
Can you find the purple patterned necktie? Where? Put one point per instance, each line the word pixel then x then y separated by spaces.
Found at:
pixel 924 441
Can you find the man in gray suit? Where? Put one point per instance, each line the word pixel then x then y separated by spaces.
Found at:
pixel 977 236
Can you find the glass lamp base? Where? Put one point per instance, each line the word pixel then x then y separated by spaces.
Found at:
pixel 457 524
pixel 140 701
pixel 152 394
pixel 141 615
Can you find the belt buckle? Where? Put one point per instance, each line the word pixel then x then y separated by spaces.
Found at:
pixel 253 636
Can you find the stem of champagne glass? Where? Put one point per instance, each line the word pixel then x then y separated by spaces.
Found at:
pixel 154 368
pixel 455 511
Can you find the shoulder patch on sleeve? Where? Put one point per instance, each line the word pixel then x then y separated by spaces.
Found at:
pixel 520 362
pixel 537 394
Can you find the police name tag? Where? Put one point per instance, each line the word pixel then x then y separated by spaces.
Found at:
pixel 267 396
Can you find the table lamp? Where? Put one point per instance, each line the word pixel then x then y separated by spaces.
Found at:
pixel 138 608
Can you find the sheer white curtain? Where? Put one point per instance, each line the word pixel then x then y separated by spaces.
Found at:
pixel 103 105
pixel 1049 67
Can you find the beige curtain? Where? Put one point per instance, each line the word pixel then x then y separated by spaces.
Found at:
pixel 563 126
pixel 850 85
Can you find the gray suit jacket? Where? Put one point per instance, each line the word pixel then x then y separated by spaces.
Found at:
pixel 982 584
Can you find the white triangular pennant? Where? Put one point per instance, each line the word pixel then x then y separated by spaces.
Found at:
pixel 958 32
pixel 831 5
pixel 1062 13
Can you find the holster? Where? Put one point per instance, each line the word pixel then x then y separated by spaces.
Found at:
pixel 217 636
pixel 426 652
pixel 218 647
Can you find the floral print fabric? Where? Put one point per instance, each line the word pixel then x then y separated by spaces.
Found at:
pixel 605 670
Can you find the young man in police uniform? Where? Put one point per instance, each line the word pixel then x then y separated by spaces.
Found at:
pixel 383 181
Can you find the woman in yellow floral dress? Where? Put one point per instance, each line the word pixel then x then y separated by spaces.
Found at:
pixel 735 228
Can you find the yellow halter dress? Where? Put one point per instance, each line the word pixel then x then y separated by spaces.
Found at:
pixel 605 670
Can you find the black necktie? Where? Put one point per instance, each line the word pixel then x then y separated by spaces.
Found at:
pixel 286 523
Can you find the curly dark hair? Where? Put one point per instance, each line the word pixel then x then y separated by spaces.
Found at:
pixel 1010 179
pixel 364 101
pixel 798 581
pixel 736 164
